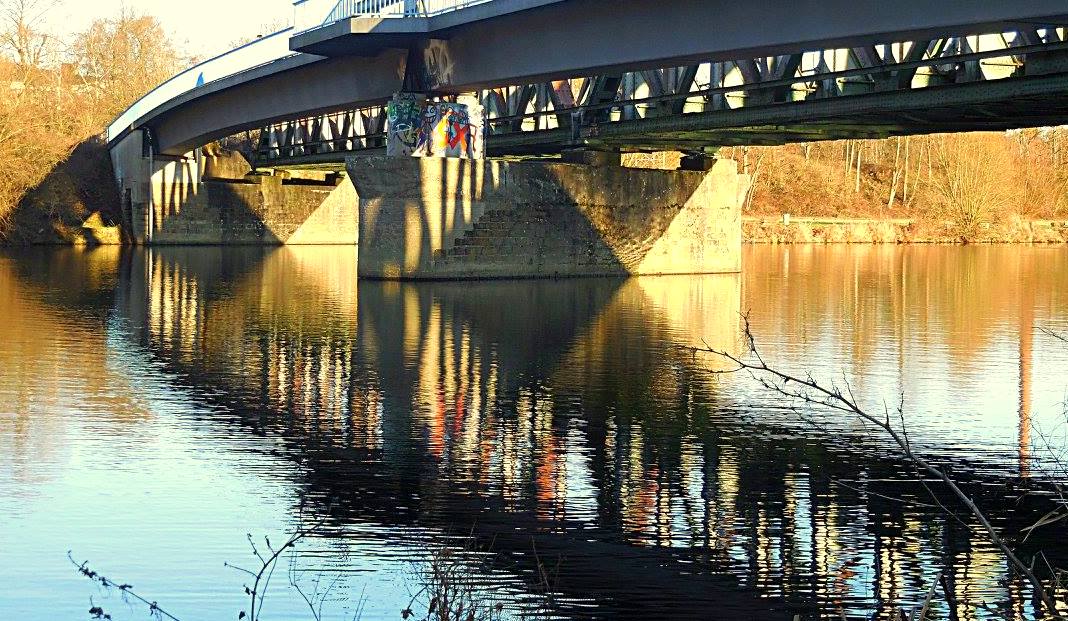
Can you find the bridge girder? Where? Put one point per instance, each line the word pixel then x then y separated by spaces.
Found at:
pixel 589 38
pixel 502 43
pixel 989 82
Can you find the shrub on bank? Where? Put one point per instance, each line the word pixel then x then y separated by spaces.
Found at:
pixel 61 97
pixel 961 186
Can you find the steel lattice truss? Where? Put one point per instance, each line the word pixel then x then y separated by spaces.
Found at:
pixel 992 81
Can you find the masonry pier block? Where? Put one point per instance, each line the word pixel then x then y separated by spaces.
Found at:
pixel 212 197
pixel 446 218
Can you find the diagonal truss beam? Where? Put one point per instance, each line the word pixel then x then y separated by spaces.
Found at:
pixel 582 111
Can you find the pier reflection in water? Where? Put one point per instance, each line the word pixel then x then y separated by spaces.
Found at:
pixel 566 417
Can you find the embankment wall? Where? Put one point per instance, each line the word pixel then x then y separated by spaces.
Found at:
pixel 777 230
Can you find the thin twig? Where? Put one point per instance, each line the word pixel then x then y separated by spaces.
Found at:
pixel 1059 337
pixel 256 594
pixel 813 393
pixel 930 598
pixel 904 501
pixel 127 589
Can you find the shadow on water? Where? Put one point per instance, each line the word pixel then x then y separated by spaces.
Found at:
pixel 566 417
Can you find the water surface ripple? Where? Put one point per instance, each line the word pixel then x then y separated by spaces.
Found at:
pixel 157 406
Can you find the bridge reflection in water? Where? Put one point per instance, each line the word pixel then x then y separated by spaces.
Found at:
pixel 567 417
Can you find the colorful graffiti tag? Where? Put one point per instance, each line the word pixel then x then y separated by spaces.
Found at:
pixel 404 115
pixel 451 130
pixel 436 129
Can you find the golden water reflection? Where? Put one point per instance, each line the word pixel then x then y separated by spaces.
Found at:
pixel 574 410
pixel 52 367
pixel 576 402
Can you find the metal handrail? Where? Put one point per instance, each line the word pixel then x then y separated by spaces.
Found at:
pixel 308 13
pixel 397 8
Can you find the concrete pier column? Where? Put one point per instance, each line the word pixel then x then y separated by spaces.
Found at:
pixel 443 218
pixel 153 186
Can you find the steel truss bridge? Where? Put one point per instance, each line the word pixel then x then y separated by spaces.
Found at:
pixel 625 75
pixel 992 81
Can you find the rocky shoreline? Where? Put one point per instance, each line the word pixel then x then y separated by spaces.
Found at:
pixel 755 230
pixel 787 230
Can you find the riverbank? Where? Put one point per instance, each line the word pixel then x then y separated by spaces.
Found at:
pixel 970 188
pixel 816 230
pixel 37 228
pixel 77 203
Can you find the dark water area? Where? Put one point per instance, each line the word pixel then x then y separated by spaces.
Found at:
pixel 157 406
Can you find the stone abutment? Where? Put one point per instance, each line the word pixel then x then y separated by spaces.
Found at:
pixel 213 197
pixel 444 217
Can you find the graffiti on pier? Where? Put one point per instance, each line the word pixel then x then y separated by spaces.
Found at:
pixel 435 129
pixel 405 117
pixel 451 130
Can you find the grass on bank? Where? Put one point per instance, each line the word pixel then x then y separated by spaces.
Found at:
pixel 968 181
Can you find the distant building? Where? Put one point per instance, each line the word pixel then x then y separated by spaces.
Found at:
pixel 63 77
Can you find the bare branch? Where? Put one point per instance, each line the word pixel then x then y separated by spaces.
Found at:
pixel 813 393
pixel 127 589
pixel 1059 337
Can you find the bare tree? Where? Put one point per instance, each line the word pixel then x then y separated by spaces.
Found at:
pixel 56 97
pixel 23 117
pixel 970 181
pixel 22 35
pixel 897 175
pixel 122 58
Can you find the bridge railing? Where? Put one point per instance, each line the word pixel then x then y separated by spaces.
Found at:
pixel 260 52
pixel 310 14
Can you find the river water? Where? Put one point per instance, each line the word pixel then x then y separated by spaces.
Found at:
pixel 556 441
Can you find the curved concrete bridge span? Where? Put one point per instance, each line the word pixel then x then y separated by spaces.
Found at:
pixel 353 80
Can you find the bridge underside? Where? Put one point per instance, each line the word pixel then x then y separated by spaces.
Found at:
pixel 960 108
pixel 989 82
pixel 505 46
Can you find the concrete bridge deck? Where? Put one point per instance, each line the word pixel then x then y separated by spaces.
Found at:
pixel 583 78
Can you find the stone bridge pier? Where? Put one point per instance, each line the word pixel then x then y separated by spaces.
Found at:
pixel 452 218
pixel 446 217
pixel 213 197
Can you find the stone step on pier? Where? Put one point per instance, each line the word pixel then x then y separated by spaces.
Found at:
pixel 544 237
